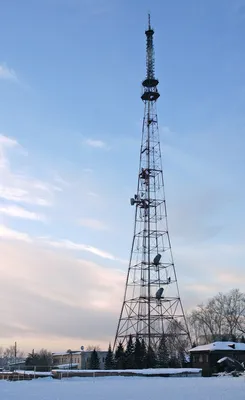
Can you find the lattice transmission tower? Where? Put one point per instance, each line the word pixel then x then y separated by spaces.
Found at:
pixel 152 306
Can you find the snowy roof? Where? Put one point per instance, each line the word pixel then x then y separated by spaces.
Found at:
pixel 65 353
pixel 17 362
pixel 220 346
pixel 67 366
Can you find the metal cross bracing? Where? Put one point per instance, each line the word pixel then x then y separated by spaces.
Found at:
pixel 151 306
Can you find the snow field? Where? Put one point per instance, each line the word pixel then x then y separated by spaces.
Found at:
pixel 125 388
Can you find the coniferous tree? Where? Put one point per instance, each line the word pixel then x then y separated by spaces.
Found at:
pixel 173 361
pixel 163 354
pixel 129 354
pixel 150 358
pixel 41 361
pixel 138 354
pixel 119 357
pixel 94 362
pixel 109 360
pixel 143 352
pixel 182 359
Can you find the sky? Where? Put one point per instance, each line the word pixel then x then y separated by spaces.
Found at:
pixel 70 129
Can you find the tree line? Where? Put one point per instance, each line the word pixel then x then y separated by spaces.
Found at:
pixel 221 318
pixel 136 355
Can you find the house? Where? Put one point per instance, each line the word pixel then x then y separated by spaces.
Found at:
pixel 207 356
pixel 71 359
pixel 67 359
pixel 18 364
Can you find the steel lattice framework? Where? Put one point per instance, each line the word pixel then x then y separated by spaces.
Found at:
pixel 152 305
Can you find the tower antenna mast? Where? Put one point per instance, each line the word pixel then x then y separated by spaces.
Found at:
pixel 152 308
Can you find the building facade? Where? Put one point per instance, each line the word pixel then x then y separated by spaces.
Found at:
pixel 71 359
pixel 208 355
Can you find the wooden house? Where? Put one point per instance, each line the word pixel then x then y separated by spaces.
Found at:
pixel 207 356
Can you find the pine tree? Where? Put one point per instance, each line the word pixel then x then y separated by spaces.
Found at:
pixel 182 360
pixel 163 354
pixel 42 361
pixel 129 354
pixel 94 362
pixel 173 361
pixel 143 352
pixel 119 357
pixel 138 354
pixel 109 360
pixel 150 358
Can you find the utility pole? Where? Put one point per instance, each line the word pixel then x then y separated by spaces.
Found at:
pixel 15 354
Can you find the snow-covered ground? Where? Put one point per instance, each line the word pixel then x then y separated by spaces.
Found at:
pixel 121 388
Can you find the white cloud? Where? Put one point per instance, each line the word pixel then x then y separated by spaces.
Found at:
pixel 19 187
pixel 24 192
pixel 86 294
pixel 6 233
pixel 19 212
pixel 59 179
pixel 92 194
pixel 7 73
pixel 7 141
pixel 69 245
pixel 95 143
pixel 9 234
pixel 93 224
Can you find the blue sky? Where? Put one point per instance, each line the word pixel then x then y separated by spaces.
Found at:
pixel 70 124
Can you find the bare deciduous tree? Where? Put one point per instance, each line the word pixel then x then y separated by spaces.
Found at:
pixel 177 344
pixel 7 355
pixel 222 318
pixel 92 347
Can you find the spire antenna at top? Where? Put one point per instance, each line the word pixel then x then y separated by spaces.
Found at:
pixel 150 83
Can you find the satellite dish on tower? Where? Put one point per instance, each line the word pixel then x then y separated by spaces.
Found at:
pixel 159 293
pixel 157 259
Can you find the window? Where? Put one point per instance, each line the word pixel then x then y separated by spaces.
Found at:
pixel 194 358
pixel 200 358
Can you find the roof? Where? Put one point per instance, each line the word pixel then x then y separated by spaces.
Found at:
pixel 67 366
pixel 17 362
pixel 65 353
pixel 223 346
